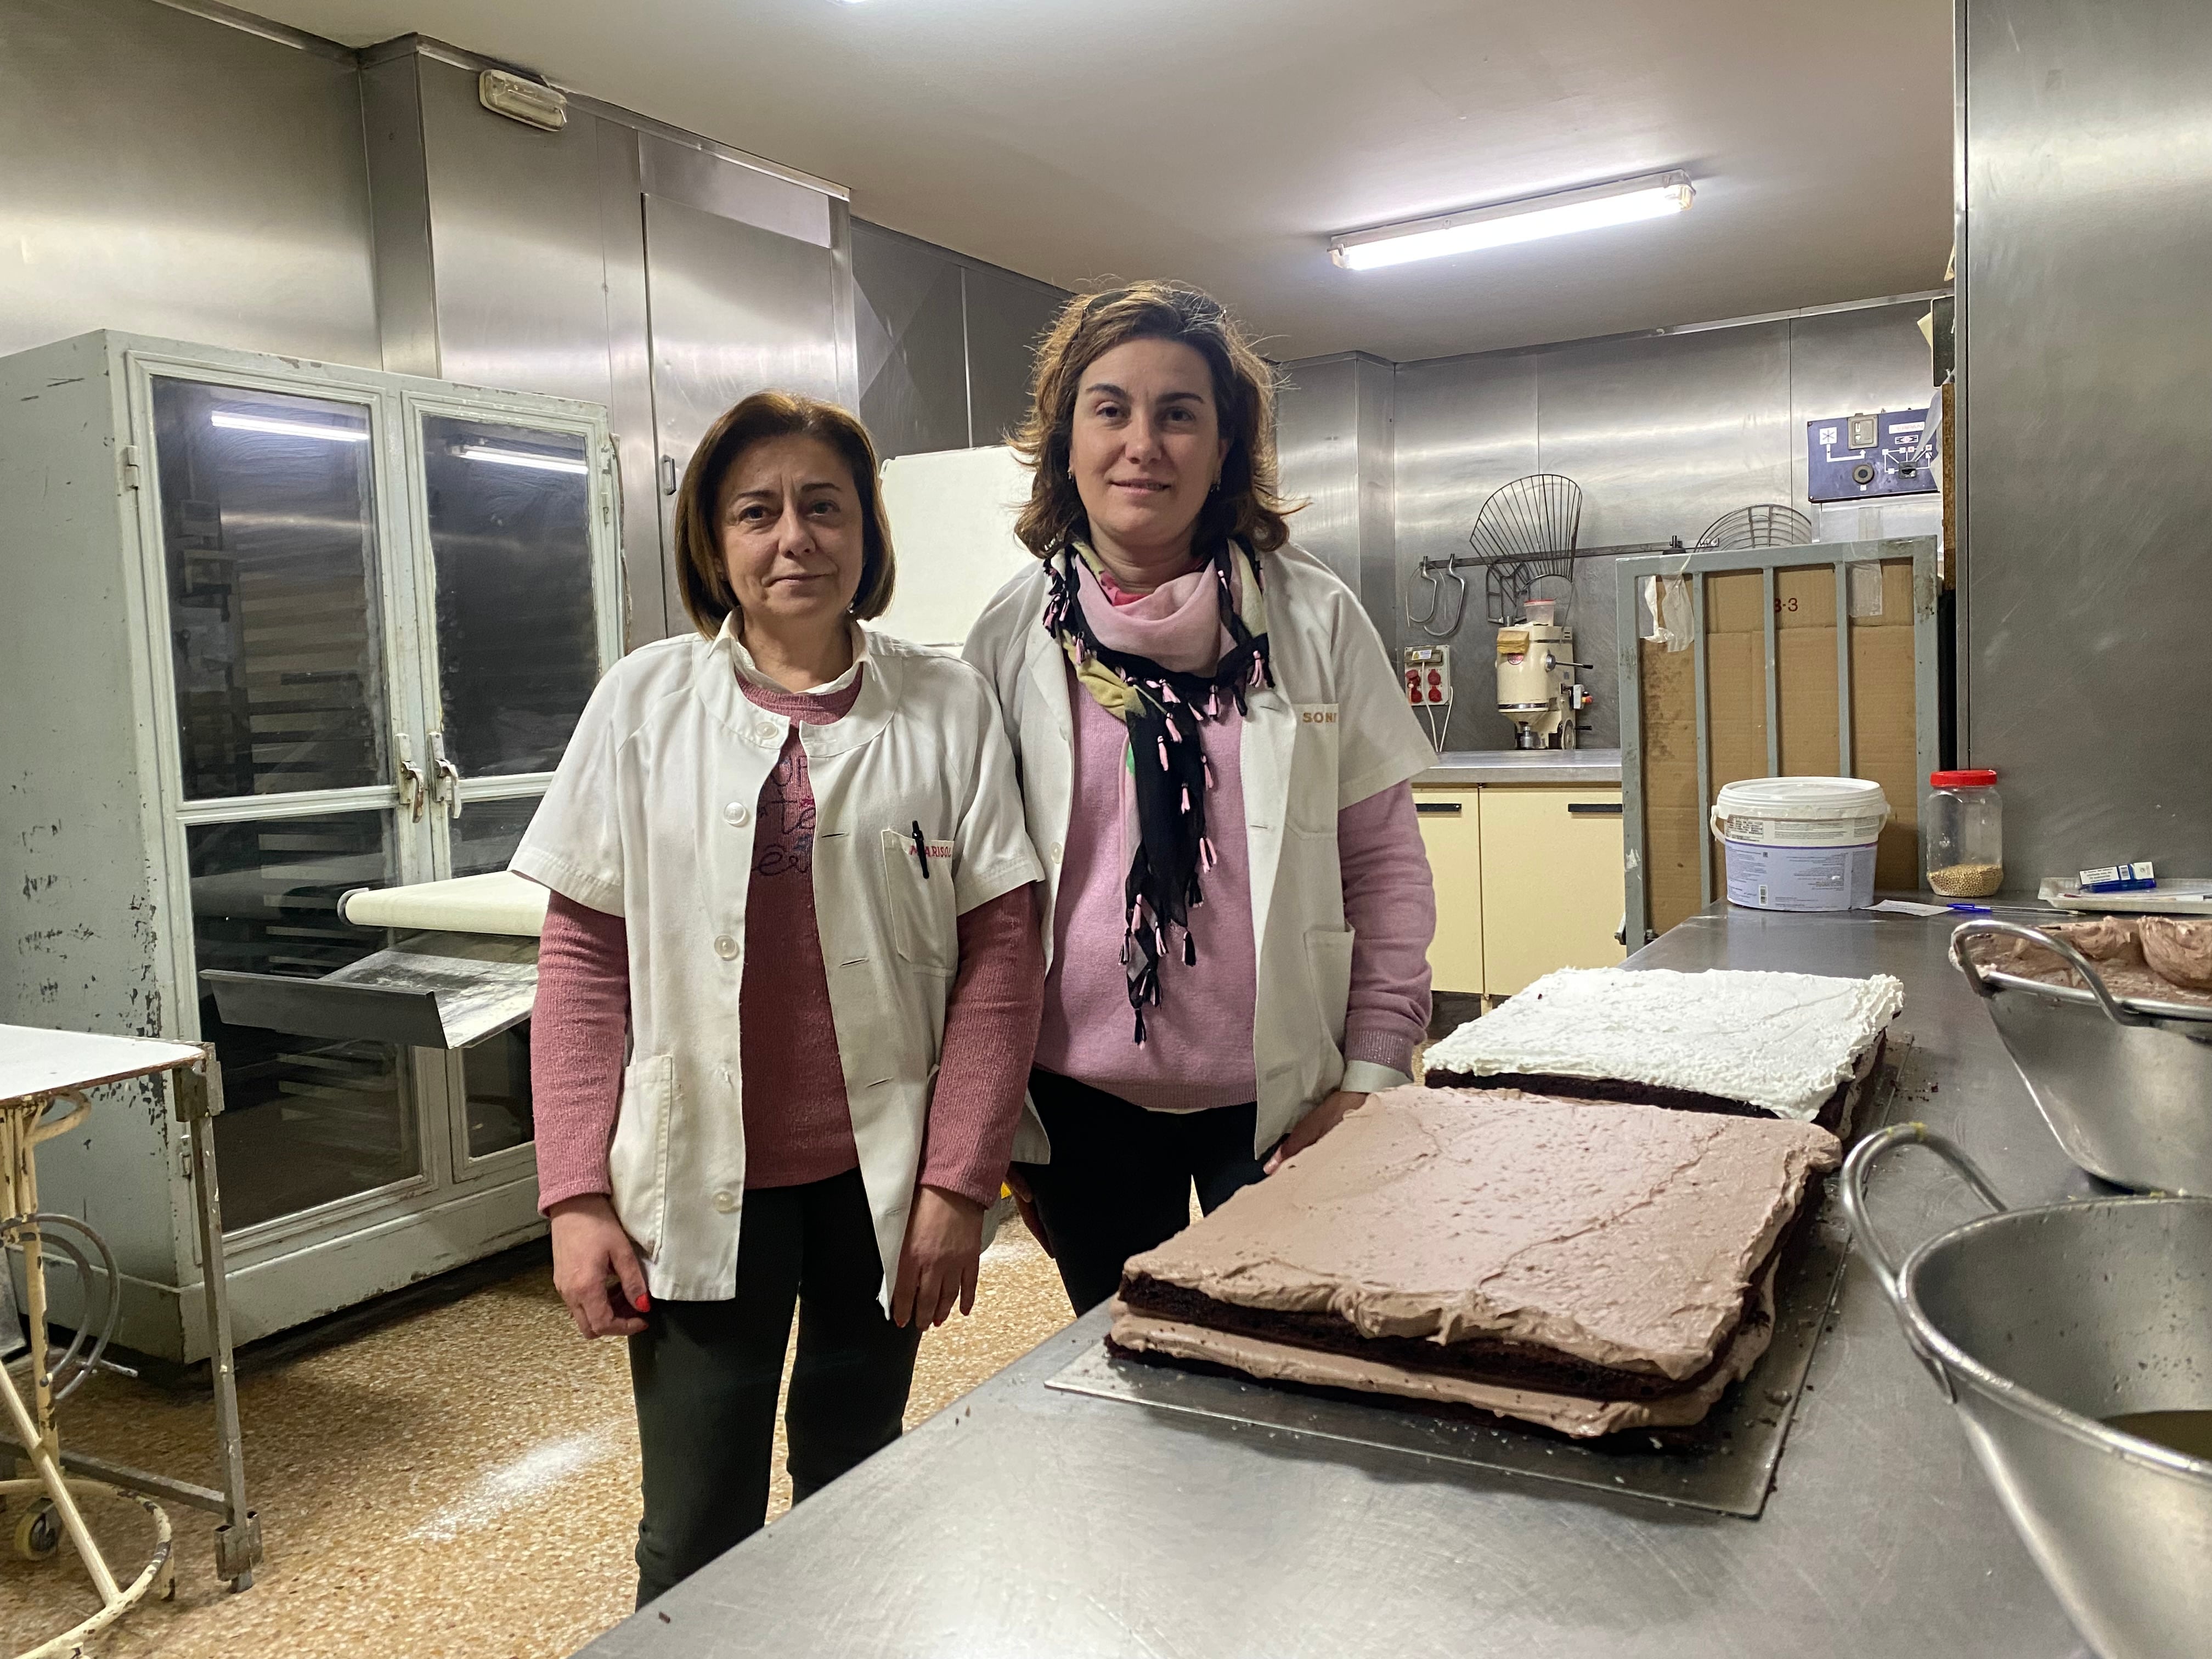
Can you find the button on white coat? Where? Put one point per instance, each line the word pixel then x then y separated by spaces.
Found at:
pixel 726 947
pixel 764 732
pixel 737 812
pixel 1052 851
pixel 726 1201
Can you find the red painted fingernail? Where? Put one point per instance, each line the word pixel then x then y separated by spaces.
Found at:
pixel 643 1304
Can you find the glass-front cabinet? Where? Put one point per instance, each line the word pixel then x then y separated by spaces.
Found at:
pixel 373 607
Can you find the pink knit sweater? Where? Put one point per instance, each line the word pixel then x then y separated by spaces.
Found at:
pixel 1198 1048
pixel 798 1121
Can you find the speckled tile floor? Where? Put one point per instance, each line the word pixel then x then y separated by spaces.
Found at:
pixel 458 1484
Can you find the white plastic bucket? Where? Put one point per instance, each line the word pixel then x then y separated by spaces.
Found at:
pixel 1800 844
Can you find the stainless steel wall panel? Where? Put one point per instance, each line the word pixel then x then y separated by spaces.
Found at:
pixel 1006 315
pixel 730 190
pixel 655 610
pixel 1317 439
pixel 516 238
pixel 2085 281
pixel 168 173
pixel 913 344
pixel 1375 412
pixel 733 309
pixel 1665 435
pixel 1464 426
pixel 399 204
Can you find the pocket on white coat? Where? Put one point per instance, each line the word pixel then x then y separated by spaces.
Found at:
pixel 925 921
pixel 637 1161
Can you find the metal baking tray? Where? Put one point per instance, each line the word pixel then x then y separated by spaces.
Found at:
pixel 1726 1466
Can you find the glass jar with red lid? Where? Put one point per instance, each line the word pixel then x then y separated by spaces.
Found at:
pixel 1966 833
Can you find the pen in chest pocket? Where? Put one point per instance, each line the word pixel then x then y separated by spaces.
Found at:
pixel 921 850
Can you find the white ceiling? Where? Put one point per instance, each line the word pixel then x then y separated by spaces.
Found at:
pixel 1222 141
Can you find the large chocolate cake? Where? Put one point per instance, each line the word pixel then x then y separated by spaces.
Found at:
pixel 1586 1266
pixel 1748 1044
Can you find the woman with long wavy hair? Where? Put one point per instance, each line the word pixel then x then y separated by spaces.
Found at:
pixel 1215 757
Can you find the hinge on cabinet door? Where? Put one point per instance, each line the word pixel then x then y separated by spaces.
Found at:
pixel 132 477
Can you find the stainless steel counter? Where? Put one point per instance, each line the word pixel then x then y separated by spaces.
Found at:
pixel 1028 1521
pixel 1561 767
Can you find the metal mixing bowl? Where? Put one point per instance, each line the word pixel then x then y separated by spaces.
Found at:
pixel 2126 1086
pixel 2038 1323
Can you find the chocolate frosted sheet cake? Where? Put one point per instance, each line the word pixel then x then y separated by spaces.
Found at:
pixel 1587 1265
pixel 1751 1044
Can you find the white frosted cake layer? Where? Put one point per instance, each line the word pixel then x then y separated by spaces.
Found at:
pixel 1781 1041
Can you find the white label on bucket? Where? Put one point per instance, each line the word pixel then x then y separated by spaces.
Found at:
pixel 1800 878
pixel 1801 832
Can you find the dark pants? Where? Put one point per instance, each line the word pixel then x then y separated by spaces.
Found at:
pixel 1120 1177
pixel 705 1375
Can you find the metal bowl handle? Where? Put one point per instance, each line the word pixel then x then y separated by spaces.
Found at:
pixel 1861 1164
pixel 2058 947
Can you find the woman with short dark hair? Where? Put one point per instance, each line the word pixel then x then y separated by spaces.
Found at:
pixel 1216 756
pixel 788 860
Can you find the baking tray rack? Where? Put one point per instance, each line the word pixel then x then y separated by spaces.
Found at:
pixel 1726 1466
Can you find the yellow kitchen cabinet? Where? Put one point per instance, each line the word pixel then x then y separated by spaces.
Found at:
pixel 1451 830
pixel 1551 880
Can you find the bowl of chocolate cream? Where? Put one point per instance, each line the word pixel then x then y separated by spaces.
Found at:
pixel 2110 1023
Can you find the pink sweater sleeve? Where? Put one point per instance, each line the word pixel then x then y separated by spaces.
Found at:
pixel 1390 904
pixel 990 1037
pixel 579 1031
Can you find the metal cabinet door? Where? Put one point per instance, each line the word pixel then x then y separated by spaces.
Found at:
pixel 733 309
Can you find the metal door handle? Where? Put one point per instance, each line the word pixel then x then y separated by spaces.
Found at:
pixel 445 787
pixel 668 475
pixel 411 786
pixel 1594 809
pixel 1451 806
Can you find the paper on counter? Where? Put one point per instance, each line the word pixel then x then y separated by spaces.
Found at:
pixel 1907 908
pixel 499 902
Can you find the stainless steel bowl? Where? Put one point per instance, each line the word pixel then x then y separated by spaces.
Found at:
pixel 2126 1086
pixel 2038 1324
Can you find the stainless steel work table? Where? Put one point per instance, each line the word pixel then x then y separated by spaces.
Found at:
pixel 1024 1521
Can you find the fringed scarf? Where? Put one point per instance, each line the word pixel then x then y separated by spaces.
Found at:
pixel 1163 703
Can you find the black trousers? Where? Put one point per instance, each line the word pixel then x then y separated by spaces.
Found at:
pixel 705 1375
pixel 1120 1177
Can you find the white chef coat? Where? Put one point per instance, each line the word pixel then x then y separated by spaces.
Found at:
pixel 1333 729
pixel 651 819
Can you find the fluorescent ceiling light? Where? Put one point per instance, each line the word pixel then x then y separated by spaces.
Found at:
pixel 1652 196
pixel 338 434
pixel 519 458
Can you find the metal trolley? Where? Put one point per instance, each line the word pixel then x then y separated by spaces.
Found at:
pixel 43 1078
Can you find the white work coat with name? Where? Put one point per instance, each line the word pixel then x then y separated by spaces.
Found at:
pixel 1333 729
pixel 651 817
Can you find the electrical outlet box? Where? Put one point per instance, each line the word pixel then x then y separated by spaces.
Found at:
pixel 1428 674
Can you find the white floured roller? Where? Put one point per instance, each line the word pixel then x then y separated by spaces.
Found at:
pixel 499 903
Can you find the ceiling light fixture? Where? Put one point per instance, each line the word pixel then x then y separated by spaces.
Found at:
pixel 232 422
pixel 1650 196
pixel 519 458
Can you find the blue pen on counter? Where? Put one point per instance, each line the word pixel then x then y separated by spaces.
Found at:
pixel 922 848
pixel 1969 909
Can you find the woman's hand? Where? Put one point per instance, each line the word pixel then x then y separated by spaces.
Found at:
pixel 938 1263
pixel 1025 1201
pixel 595 1267
pixel 1313 1126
